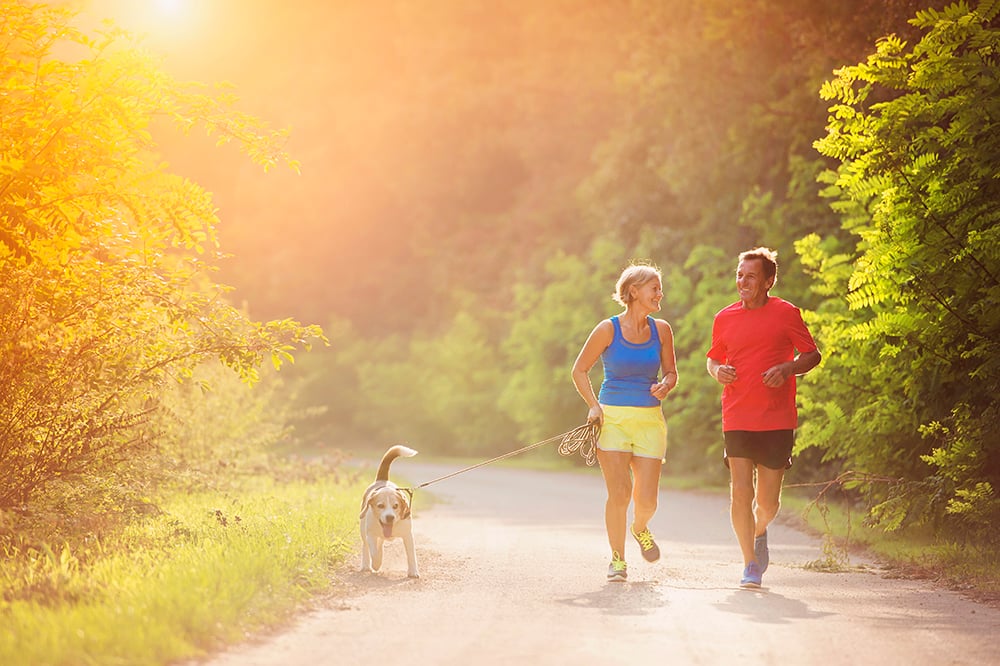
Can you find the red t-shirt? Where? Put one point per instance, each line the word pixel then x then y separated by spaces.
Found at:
pixel 753 341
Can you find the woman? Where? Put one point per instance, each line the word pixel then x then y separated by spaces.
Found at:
pixel 634 349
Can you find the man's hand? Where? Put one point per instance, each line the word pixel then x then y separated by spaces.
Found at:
pixel 776 376
pixel 725 374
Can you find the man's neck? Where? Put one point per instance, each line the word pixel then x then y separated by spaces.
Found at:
pixel 756 304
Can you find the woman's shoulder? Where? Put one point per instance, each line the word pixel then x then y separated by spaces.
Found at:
pixel 662 326
pixel 605 326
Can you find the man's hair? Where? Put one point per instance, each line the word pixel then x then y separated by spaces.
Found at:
pixel 638 274
pixel 768 259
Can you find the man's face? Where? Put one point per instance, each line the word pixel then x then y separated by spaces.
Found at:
pixel 751 283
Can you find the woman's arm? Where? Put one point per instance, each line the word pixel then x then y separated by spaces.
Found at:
pixel 596 343
pixel 668 362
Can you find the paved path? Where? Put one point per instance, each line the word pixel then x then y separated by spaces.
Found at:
pixel 514 566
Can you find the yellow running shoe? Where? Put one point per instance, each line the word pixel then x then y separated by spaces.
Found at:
pixel 650 551
pixel 617 570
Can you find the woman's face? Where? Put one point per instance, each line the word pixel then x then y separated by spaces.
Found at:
pixel 647 296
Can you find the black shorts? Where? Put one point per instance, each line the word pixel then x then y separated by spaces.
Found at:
pixel 770 448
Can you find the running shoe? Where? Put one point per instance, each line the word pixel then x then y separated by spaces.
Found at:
pixel 617 570
pixel 751 576
pixel 760 551
pixel 650 551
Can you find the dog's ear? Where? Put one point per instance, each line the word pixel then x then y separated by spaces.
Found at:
pixel 366 503
pixel 404 499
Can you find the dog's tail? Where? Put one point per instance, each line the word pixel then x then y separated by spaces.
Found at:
pixel 395 452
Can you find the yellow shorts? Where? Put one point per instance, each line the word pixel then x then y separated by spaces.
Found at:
pixel 641 431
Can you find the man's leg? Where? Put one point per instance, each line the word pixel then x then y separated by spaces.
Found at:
pixel 768 497
pixel 741 508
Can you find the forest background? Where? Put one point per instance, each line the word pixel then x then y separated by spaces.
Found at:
pixel 475 176
pixel 467 181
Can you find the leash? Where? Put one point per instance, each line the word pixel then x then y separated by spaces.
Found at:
pixel 582 438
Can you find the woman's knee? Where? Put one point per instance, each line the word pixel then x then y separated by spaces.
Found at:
pixel 619 489
pixel 645 505
pixel 620 494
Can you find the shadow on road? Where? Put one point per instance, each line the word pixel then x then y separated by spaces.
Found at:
pixel 640 598
pixel 767 607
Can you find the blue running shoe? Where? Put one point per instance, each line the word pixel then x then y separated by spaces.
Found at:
pixel 760 551
pixel 751 576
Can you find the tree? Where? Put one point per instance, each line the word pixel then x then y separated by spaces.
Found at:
pixel 918 353
pixel 105 257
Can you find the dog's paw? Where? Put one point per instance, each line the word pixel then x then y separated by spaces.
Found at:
pixel 413 574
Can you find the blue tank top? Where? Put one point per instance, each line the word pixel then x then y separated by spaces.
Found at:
pixel 630 369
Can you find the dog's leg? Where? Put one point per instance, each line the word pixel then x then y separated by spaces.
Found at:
pixel 377 547
pixel 411 557
pixel 366 554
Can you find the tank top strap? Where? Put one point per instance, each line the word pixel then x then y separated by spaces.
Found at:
pixel 618 327
pixel 654 333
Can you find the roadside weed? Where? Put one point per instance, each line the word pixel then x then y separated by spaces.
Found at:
pixel 208 570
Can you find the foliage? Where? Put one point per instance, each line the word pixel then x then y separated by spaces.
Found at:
pixel 205 571
pixel 105 257
pixel 705 150
pixel 713 155
pixel 549 326
pixel 437 392
pixel 215 422
pixel 915 130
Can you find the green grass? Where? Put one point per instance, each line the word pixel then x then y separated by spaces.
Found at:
pixel 208 571
pixel 916 552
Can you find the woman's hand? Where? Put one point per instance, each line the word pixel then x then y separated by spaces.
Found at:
pixel 595 415
pixel 659 390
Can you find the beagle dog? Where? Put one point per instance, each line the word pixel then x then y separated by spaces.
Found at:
pixel 385 514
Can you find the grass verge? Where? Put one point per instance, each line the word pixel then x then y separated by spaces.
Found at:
pixel 208 570
pixel 972 569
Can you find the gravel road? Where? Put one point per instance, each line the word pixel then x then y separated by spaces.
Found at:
pixel 513 566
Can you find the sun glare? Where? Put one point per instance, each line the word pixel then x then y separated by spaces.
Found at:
pixel 169 7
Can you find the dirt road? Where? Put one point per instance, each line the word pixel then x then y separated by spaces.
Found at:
pixel 513 572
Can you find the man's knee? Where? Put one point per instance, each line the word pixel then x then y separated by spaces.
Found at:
pixel 741 493
pixel 768 507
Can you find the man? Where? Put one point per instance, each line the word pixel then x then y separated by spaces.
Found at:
pixel 753 355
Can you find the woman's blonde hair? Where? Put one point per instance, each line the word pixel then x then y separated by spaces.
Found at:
pixel 636 274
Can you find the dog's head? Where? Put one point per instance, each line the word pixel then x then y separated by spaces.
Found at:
pixel 389 504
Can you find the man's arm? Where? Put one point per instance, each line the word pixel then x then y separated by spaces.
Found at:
pixel 803 363
pixel 722 373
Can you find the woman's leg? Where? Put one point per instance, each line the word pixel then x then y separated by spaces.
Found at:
pixel 618 479
pixel 646 491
